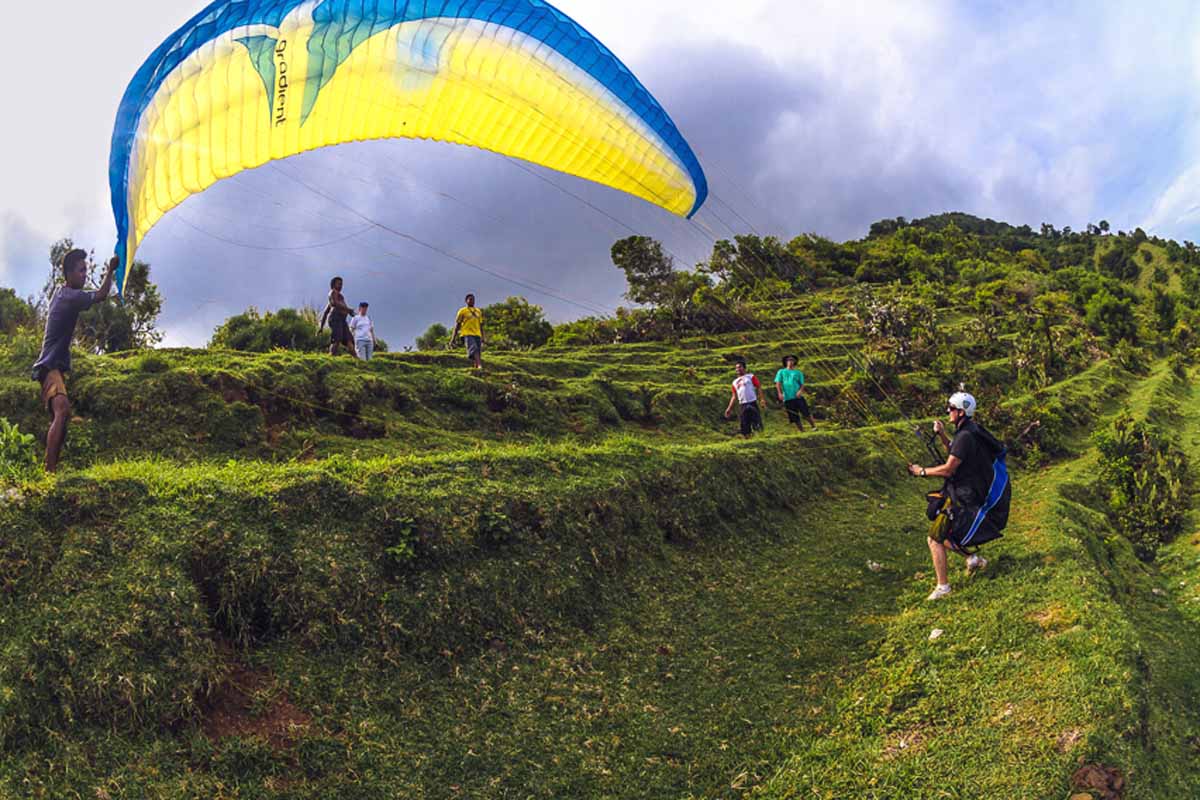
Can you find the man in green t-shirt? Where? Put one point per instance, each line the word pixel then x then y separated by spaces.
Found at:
pixel 789 383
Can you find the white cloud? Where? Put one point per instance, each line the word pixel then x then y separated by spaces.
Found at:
pixel 808 116
pixel 23 254
pixel 1178 207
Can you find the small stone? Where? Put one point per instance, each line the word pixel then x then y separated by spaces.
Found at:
pixel 935 634
pixel 1158 591
pixel 874 566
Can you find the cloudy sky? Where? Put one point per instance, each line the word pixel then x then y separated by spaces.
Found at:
pixel 807 116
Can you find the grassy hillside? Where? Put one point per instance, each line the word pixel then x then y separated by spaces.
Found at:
pixel 283 575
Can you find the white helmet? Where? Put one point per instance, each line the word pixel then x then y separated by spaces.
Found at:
pixel 964 402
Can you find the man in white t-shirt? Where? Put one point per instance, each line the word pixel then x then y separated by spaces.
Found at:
pixel 364 333
pixel 747 393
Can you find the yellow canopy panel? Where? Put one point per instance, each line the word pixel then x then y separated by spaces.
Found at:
pixel 249 81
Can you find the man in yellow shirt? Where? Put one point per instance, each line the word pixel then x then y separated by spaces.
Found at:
pixel 469 323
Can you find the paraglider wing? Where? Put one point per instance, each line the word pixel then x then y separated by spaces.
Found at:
pixel 249 81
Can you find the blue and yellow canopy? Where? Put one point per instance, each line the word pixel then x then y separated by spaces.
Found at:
pixel 249 81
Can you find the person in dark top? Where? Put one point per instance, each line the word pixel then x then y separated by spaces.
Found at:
pixel 336 311
pixel 977 490
pixel 54 363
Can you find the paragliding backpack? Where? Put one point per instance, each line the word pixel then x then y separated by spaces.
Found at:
pixel 979 525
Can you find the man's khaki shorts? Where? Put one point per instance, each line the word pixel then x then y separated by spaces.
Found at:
pixel 53 385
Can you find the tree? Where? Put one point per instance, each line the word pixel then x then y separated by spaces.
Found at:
pixel 750 263
pixel 1166 311
pixel 15 312
pixel 1038 352
pixel 1111 317
pixel 1104 226
pixel 1118 263
pixel 886 227
pixel 127 324
pixel 649 271
pixel 516 323
pixel 436 337
pixel 900 324
pixel 286 329
pixel 823 257
pixel 987 301
pixel 653 280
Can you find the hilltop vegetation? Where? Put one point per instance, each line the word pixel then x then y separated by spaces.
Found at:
pixel 277 574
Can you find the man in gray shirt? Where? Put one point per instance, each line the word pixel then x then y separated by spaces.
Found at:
pixel 55 361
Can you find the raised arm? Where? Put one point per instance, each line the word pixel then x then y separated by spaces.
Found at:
pixel 940 429
pixel 107 282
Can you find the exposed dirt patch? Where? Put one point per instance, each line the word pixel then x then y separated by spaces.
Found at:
pixel 230 388
pixel 250 703
pixel 903 743
pixel 1068 739
pixel 1053 619
pixel 1102 783
pixel 358 427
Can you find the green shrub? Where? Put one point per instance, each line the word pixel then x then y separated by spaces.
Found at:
pixel 18 455
pixel 436 337
pixel 494 529
pixel 1134 359
pixel 400 547
pixel 1111 316
pixel 1183 338
pixel 1179 365
pixel 153 363
pixel 1145 479
pixel 257 332
pixel 516 324
pixel 15 312
pixel 463 392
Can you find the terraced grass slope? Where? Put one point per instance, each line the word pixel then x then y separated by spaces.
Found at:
pixel 283 575
pixel 213 405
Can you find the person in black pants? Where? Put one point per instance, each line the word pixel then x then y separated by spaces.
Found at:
pixel 746 393
pixel 789 384
pixel 336 312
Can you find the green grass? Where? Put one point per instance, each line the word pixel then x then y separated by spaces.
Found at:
pixel 686 681
pixel 1063 654
pixel 213 406
pixel 761 657
pixel 566 578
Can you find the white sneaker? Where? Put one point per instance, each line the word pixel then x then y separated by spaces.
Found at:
pixel 976 564
pixel 941 591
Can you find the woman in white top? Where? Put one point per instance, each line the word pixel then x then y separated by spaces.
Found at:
pixel 364 333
